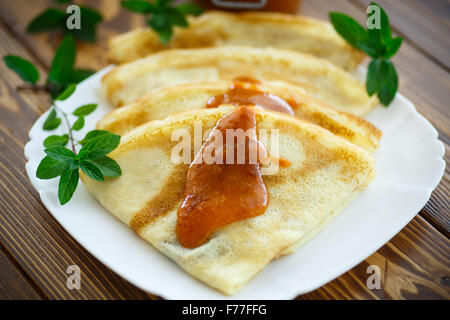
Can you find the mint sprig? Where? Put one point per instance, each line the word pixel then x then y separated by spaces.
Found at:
pixel 54 19
pixel 162 16
pixel 380 45
pixel 64 162
pixel 61 161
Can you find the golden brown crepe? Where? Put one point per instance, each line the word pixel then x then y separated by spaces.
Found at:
pixel 320 78
pixel 255 29
pixel 325 175
pixel 164 102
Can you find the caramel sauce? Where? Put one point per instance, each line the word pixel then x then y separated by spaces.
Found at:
pixel 238 94
pixel 219 194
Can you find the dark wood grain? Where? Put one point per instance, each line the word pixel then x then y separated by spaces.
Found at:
pixel 36 250
pixel 414 265
pixel 15 285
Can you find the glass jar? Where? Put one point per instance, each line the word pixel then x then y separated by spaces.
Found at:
pixel 286 6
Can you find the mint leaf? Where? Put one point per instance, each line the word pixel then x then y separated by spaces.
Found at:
pixel 79 124
pixel 67 92
pixel 85 109
pixel 384 34
pixel 24 68
pixel 89 20
pixel 52 122
pixel 78 75
pixel 67 185
pixel 99 146
pixel 382 78
pixel 93 134
pixel 63 61
pixel 60 153
pixel 138 6
pixel 392 47
pixel 91 171
pixel 189 8
pixel 107 166
pixel 47 20
pixel 55 141
pixel 50 168
pixel 349 29
pixel 176 17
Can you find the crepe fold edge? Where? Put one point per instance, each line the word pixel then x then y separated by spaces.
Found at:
pixel 237 252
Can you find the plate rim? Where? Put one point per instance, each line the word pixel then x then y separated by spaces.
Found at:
pixel 434 136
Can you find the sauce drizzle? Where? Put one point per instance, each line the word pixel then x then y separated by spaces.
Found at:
pixel 219 194
pixel 238 94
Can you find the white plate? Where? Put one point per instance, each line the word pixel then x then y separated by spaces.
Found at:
pixel 409 166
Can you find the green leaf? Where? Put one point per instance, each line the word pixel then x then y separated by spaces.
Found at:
pixel 89 20
pixel 176 17
pixel 63 1
pixel 24 68
pixel 107 166
pixel 372 81
pixel 189 8
pixel 99 146
pixel 93 134
pixel 349 29
pixel 52 122
pixel 67 92
pixel 382 79
pixel 78 75
pixel 55 141
pixel 79 124
pixel 393 47
pixel 50 168
pixel 160 24
pixel 384 34
pixel 85 110
pixel 92 171
pixel 138 6
pixel 389 87
pixel 60 153
pixel 67 185
pixel 47 20
pixel 162 3
pixel 63 61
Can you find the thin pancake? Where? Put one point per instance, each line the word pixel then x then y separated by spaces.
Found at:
pixel 318 77
pixel 325 174
pixel 164 102
pixel 254 29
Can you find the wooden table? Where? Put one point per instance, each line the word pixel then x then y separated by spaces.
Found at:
pixel 36 250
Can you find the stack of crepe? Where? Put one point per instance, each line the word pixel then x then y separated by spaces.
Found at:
pixel 158 89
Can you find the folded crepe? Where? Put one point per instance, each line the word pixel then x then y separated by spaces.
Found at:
pixel 325 174
pixel 166 101
pixel 320 78
pixel 255 29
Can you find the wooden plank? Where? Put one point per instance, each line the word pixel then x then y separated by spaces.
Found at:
pixel 423 82
pixel 13 283
pixel 413 265
pixel 418 22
